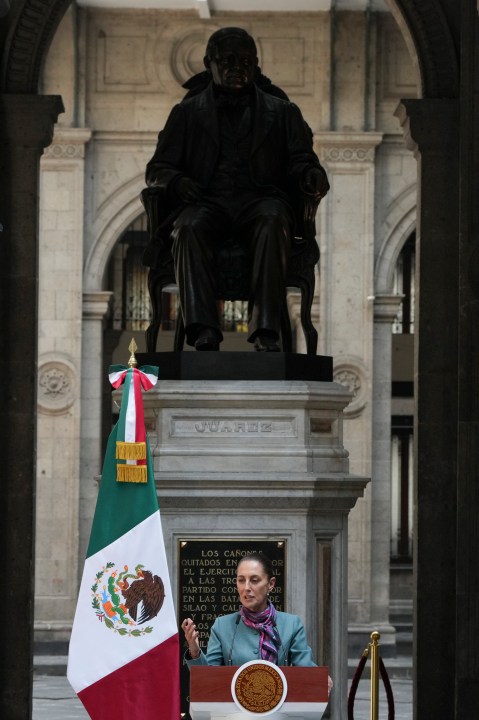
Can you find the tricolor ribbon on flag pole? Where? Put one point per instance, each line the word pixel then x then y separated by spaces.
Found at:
pixel 131 435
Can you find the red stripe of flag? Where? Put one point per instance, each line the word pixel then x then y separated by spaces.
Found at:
pixel 144 689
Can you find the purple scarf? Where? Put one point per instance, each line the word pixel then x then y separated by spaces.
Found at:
pixel 265 623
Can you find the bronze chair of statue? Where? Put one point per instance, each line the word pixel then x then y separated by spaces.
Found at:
pixel 232 271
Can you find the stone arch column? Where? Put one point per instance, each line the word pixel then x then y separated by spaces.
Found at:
pixel 431 129
pixel 27 128
pixel 346 333
pixel 59 382
pixel 396 228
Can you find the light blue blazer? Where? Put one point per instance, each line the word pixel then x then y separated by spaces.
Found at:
pixel 233 643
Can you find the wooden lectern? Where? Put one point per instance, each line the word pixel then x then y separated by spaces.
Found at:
pixel 211 694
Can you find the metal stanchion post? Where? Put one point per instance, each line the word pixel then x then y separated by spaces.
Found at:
pixel 375 675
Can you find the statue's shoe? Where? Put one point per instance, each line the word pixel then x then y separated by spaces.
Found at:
pixel 207 340
pixel 266 343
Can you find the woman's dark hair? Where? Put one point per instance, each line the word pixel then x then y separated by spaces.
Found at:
pixel 265 562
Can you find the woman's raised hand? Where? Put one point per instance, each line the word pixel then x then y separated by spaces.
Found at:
pixel 191 635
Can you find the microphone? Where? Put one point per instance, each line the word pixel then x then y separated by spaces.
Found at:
pixel 233 640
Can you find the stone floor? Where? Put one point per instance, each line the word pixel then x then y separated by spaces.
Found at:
pixel 402 692
pixel 53 699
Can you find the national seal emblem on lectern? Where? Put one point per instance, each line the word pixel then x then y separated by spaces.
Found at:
pixel 259 687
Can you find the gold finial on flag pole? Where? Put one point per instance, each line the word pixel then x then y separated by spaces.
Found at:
pixel 132 347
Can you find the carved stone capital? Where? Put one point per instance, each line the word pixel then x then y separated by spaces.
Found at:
pixel 96 304
pixel 386 307
pixel 27 120
pixel 68 143
pixel 426 123
pixel 341 147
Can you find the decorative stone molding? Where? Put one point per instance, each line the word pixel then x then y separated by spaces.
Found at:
pixel 186 58
pixel 126 137
pixel 350 373
pixel 341 147
pixel 121 61
pixel 286 52
pixel 178 54
pixel 68 144
pixel 96 304
pixel 386 307
pixel 56 384
pixel 65 151
pixel 348 154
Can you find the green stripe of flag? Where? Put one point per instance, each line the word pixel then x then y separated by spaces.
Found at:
pixel 121 506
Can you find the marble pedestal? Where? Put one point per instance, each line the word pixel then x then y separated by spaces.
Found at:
pixel 263 460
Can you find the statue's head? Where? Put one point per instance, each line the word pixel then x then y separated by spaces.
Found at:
pixel 231 58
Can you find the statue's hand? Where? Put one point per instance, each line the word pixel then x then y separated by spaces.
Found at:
pixel 188 190
pixel 315 182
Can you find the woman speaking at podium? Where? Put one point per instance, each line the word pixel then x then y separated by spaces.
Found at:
pixel 257 631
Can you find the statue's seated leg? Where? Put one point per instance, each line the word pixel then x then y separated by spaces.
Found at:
pixel 268 223
pixel 195 237
pixel 154 289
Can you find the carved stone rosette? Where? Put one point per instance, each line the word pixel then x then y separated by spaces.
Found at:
pixel 351 374
pixel 56 385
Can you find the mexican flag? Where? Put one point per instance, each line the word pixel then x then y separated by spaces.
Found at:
pixel 124 654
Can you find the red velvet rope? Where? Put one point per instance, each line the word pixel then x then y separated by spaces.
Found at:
pixel 355 683
pixel 387 688
pixel 354 686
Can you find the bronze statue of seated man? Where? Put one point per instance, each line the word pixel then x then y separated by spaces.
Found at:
pixel 229 160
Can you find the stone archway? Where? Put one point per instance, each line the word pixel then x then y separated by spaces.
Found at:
pixel 117 213
pixel 398 225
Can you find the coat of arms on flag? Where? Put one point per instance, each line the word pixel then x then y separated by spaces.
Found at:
pixel 124 651
pixel 118 601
